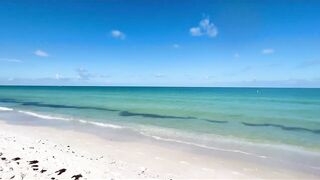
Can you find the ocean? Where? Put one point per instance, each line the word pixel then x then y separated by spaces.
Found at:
pixel 207 117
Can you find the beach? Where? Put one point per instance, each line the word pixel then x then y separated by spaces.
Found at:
pixel 90 157
pixel 159 89
pixel 158 133
pixel 122 89
pixel 38 152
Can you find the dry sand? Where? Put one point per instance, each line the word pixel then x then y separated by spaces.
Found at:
pixel 32 152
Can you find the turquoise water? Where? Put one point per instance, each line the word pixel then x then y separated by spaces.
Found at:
pixel 276 116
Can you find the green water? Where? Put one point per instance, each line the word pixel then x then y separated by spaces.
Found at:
pixel 259 115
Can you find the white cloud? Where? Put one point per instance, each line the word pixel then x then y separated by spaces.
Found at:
pixel 83 74
pixel 159 75
pixel 117 34
pixel 209 77
pixel 58 76
pixel 84 77
pixel 205 28
pixel 40 53
pixel 268 51
pixel 176 46
pixel 195 31
pixel 10 60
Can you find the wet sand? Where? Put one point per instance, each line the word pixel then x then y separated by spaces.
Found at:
pixel 32 152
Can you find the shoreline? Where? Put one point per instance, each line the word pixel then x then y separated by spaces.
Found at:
pixel 218 139
pixel 81 151
pixel 122 158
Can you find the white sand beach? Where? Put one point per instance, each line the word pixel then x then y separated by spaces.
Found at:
pixel 159 89
pixel 32 152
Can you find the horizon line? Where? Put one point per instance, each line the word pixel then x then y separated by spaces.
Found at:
pixel 149 86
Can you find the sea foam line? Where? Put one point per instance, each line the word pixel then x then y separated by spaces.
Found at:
pixel 44 116
pixel 101 124
pixel 203 146
pixel 70 119
pixel 5 109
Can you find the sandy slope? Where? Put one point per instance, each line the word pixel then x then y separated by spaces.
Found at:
pixel 46 153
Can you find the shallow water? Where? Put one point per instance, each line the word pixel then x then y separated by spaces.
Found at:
pixel 271 116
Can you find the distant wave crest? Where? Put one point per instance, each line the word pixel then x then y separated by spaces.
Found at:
pixel 5 109
pixel 101 124
pixel 70 119
pixel 44 116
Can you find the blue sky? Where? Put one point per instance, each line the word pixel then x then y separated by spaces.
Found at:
pixel 160 42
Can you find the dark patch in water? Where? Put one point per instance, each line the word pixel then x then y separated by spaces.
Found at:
pixel 38 104
pixel 287 128
pixel 121 113
pixel 214 121
pixel 64 106
pixel 8 100
pixel 127 113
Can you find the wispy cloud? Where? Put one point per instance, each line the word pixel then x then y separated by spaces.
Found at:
pixel 83 74
pixel 268 51
pixel 205 28
pixel 10 60
pixel 58 76
pixel 307 64
pixel 40 53
pixel 176 46
pixel 240 71
pixel 246 69
pixel 195 31
pixel 313 82
pixel 236 55
pixel 210 77
pixel 159 75
pixel 83 77
pixel 117 34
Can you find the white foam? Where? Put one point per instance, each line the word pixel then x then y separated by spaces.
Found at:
pixel 44 116
pixel 5 109
pixel 101 124
pixel 203 146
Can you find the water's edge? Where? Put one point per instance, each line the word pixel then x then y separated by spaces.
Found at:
pixel 263 153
